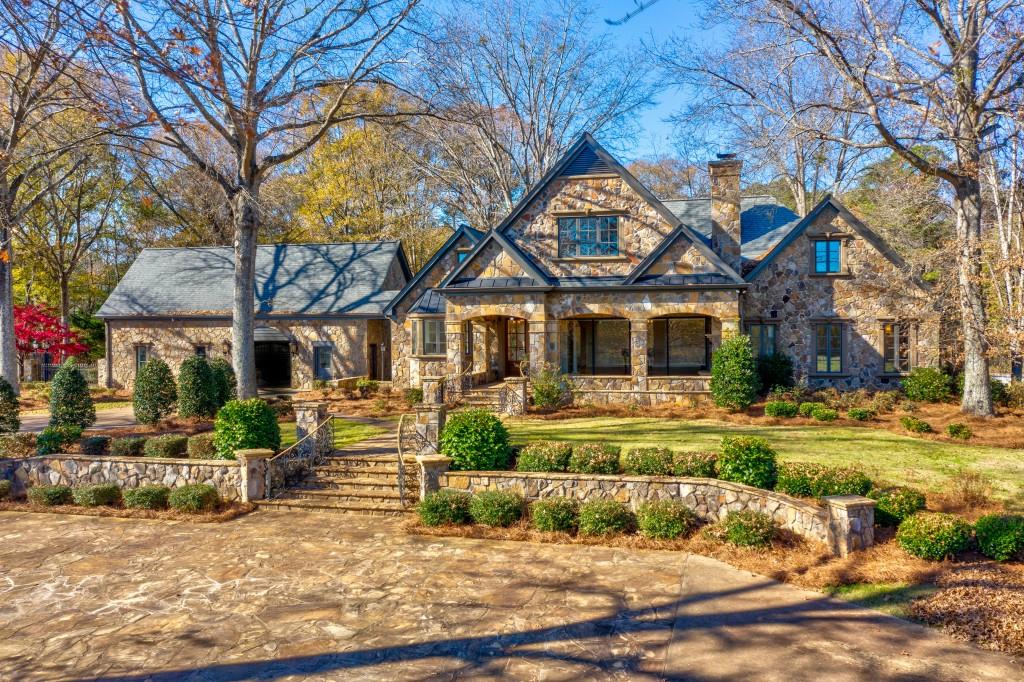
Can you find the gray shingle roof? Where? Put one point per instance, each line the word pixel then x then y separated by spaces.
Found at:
pixel 297 279
pixel 763 222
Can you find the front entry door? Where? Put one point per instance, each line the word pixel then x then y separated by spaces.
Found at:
pixel 515 347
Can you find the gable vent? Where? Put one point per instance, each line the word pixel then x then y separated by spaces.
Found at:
pixel 586 162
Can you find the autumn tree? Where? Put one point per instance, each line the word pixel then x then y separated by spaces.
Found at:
pixel 267 80
pixel 38 330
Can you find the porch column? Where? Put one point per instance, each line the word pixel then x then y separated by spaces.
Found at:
pixel 730 327
pixel 537 345
pixel 638 353
pixel 456 363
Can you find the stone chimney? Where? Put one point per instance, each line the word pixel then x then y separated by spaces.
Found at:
pixel 725 208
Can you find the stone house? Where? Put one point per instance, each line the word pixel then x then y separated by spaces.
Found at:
pixel 590 274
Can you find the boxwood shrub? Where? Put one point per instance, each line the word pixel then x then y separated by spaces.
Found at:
pixel 814 480
pixel 444 507
pixel 500 508
pixel 245 425
pixel 807 409
pixel 825 414
pixel 166 445
pixel 695 464
pixel 545 455
pixel 127 447
pixel 747 460
pixel 95 446
pixel 555 514
pixel 915 425
pixel 604 517
pixel 896 504
pixel 781 408
pixel 98 495
pixel 748 528
pixel 648 462
pixel 959 430
pixel 200 446
pixel 1001 536
pixel 146 497
pixel 476 440
pixel 860 414
pixel 197 497
pixel 49 495
pixel 934 536
pixel 594 458
pixel 927 385
pixel 665 519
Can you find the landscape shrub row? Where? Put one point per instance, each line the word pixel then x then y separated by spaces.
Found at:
pixel 187 498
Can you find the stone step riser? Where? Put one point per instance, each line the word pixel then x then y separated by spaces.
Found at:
pixel 349 497
pixel 321 484
pixel 283 505
pixel 364 471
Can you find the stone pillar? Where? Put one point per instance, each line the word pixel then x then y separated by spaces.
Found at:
pixel 638 337
pixel 253 467
pixel 516 400
pixel 432 468
pixel 456 359
pixel 851 523
pixel 429 423
pixel 308 416
pixel 433 390
pixel 536 345
pixel 730 327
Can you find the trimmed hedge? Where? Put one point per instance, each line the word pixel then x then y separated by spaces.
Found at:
pixel 1001 536
pixel 735 382
pixel 748 528
pixel 895 505
pixel 695 464
pixel 198 392
pixel 555 514
pixel 934 536
pixel 604 517
pixel 244 425
pixel 544 456
pixel 146 497
pixel 223 380
pixel 915 425
pixel 781 408
pixel 927 385
pixel 594 458
pixel 10 419
pixel 70 401
pixel 499 508
pixel 476 440
pixel 98 495
pixel 648 462
pixel 201 446
pixel 807 409
pixel 194 498
pixel 802 479
pixel 95 446
pixel 748 460
pixel 825 414
pixel 132 446
pixel 665 519
pixel 50 495
pixel 166 445
pixel 444 507
pixel 53 439
pixel 861 414
pixel 154 393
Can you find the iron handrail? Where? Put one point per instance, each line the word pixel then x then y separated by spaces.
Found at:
pixel 401 462
pixel 292 448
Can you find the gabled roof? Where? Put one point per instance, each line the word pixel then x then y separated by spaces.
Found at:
pixel 291 280
pixel 461 231
pixel 494 237
pixel 763 221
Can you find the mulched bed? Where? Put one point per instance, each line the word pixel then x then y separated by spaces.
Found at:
pixel 226 512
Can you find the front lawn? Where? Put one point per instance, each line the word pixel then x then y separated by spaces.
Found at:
pixel 345 432
pixel 884 455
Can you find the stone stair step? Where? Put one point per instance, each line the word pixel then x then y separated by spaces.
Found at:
pixel 345 495
pixel 333 506
pixel 360 470
pixel 326 482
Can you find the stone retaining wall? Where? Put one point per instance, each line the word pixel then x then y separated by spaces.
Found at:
pixel 845 524
pixel 127 472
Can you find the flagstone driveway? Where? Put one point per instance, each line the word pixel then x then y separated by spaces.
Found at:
pixel 289 596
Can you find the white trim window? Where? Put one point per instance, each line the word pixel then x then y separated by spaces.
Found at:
pixel 143 353
pixel 428 337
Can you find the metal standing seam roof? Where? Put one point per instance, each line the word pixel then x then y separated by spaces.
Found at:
pixel 291 279
pixel 763 221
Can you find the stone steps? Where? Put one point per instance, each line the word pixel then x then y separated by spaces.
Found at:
pixel 326 482
pixel 333 506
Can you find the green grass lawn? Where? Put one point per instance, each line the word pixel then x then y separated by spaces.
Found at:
pixel 345 432
pixel 884 455
pixel 890 598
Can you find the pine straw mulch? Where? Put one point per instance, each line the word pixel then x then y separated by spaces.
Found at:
pixel 977 600
pixel 342 401
pixel 225 512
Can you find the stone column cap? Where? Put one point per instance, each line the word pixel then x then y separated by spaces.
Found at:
pixel 847 501
pixel 255 453
pixel 516 380
pixel 433 459
pixel 310 403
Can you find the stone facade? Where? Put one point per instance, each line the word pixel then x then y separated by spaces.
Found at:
pixel 833 524
pixel 127 472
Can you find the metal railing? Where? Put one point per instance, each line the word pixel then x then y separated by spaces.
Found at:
pixel 407 435
pixel 454 385
pixel 294 461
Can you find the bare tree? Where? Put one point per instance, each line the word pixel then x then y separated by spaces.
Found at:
pixel 516 81
pixel 268 79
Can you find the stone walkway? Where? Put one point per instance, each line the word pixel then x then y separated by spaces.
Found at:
pixel 293 596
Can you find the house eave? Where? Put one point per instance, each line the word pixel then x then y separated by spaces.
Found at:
pixel 219 317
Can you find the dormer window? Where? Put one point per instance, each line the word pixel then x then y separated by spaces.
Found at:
pixel 588 236
pixel 828 256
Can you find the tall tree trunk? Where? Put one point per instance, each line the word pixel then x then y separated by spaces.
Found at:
pixel 245 217
pixel 977 398
pixel 65 305
pixel 8 344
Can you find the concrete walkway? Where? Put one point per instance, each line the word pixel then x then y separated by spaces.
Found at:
pixel 295 596
pixel 114 418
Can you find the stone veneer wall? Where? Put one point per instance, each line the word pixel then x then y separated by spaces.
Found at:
pixel 174 341
pixel 712 499
pixel 127 472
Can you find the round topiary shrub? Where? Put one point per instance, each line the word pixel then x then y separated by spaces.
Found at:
pixel 748 529
pixel 195 498
pixel 10 421
pixel 1001 536
pixel 146 497
pixel 198 393
pixel 132 446
pixel 594 458
pixel 70 402
pixel 807 409
pixel 860 414
pixel 734 378
pixel 223 380
pixel 895 505
pixel 781 408
pixel 934 536
pixel 825 414
pixel 5 489
pixel 476 440
pixel 201 446
pixel 695 464
pixel 927 385
pixel 775 371
pixel 98 495
pixel 555 515
pixel 648 462
pixel 915 425
pixel 245 425
pixel 49 495
pixel 747 460
pixel 959 431
pixel 166 445
pixel 665 519
pixel 154 392
pixel 605 517
pixel 545 455
pixel 95 446
pixel 499 508
pixel 54 439
pixel 444 508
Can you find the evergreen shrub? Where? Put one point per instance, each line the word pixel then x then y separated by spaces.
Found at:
pixel 154 393
pixel 70 402
pixel 476 440
pixel 734 378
